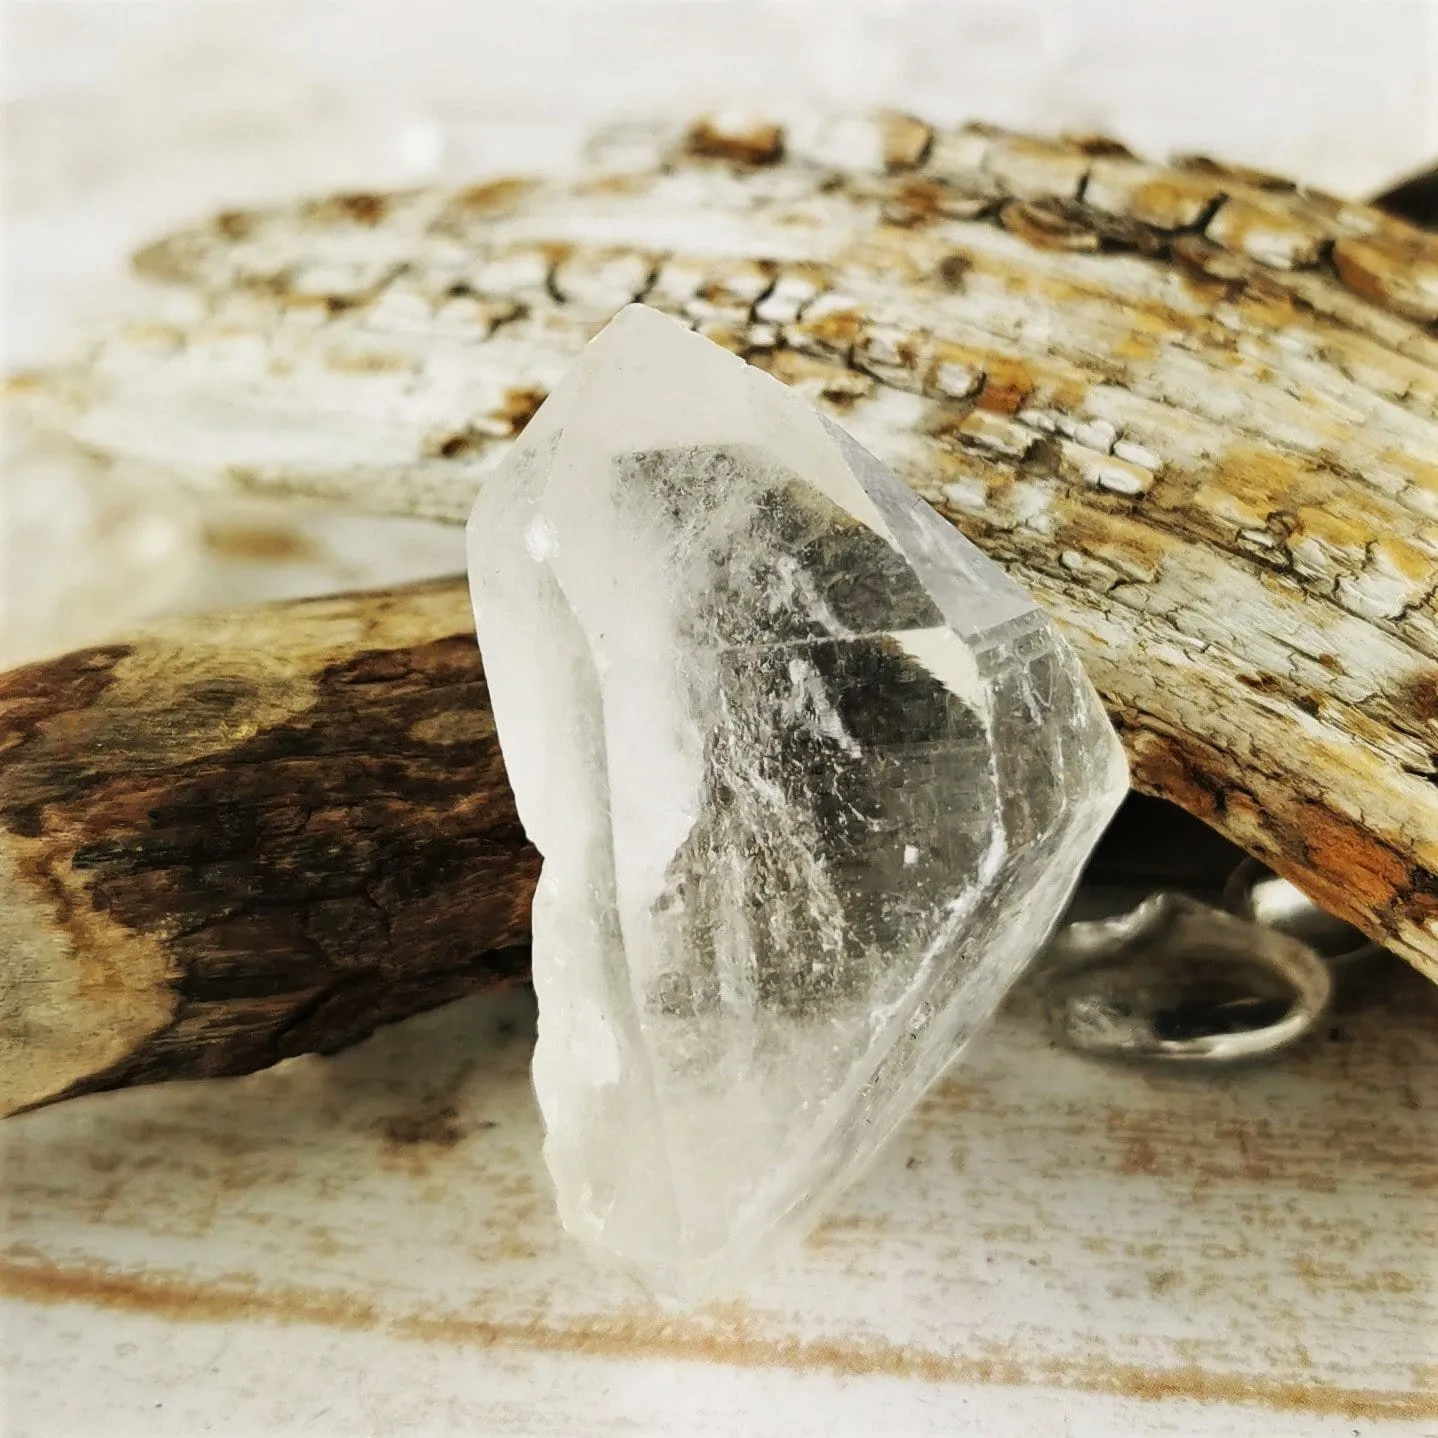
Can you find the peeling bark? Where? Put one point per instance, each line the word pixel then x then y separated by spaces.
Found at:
pixel 1193 408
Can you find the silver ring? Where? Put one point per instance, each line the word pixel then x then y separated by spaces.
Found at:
pixel 1177 981
pixel 1254 892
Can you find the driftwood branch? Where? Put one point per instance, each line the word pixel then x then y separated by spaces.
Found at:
pixel 1194 409
pixel 229 840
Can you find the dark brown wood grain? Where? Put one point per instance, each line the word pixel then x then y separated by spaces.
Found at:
pixel 245 836
pixel 240 838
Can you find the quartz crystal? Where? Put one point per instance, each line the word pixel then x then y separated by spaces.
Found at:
pixel 812 778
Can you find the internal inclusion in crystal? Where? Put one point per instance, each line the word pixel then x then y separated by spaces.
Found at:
pixel 800 869
pixel 813 780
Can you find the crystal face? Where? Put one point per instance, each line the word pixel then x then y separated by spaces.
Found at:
pixel 812 779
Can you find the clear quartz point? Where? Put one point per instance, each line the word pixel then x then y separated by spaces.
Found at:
pixel 812 778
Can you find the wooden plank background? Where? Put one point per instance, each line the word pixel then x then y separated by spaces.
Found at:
pixel 366 1244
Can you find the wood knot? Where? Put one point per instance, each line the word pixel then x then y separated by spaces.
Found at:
pixel 1046 226
pixel 740 142
pixel 359 209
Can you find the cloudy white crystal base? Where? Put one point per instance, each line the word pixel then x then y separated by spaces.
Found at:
pixel 812 779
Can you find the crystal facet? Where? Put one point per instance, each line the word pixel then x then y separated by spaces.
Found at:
pixel 812 779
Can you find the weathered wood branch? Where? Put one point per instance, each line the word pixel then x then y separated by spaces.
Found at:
pixel 228 840
pixel 234 838
pixel 1193 408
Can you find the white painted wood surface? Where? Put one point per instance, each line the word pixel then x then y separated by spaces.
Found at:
pixel 366 1244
